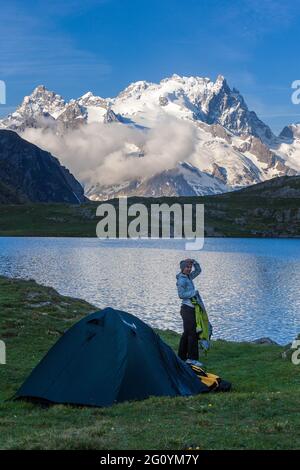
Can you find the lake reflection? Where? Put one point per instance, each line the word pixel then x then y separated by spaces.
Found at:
pixel 250 286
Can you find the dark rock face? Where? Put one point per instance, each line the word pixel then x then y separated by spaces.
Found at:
pixel 110 116
pixel 219 172
pixel 29 174
pixel 219 131
pixel 163 101
pixel 72 117
pixel 264 341
pixel 228 108
pixel 287 133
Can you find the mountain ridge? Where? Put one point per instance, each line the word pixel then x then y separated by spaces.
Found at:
pixel 231 142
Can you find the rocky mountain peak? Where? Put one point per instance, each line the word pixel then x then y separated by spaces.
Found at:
pixel 43 98
pixel 220 82
pixel 290 132
pixel 134 90
pixel 89 99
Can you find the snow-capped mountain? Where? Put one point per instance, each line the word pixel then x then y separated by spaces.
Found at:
pixel 288 146
pixel 45 109
pixel 184 179
pixel 40 109
pixel 232 146
pixel 193 98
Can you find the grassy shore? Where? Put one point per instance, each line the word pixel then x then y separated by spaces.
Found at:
pixel 260 413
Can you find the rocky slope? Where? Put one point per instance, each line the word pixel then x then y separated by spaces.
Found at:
pixel 29 174
pixel 182 180
pixel 284 187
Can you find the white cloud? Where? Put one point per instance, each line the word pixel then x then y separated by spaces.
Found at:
pixel 99 152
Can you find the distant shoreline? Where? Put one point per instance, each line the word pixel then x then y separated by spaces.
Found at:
pixel 296 237
pixel 231 215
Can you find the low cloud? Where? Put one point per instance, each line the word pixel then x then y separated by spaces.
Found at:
pixel 109 153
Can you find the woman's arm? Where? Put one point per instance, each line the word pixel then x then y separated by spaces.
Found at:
pixel 196 271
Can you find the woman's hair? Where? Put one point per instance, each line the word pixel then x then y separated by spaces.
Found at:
pixel 183 264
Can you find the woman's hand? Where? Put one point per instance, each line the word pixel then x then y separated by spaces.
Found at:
pixel 190 260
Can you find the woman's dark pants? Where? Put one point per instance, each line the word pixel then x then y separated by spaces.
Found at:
pixel 188 346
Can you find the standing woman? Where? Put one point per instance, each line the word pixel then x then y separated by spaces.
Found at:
pixel 188 346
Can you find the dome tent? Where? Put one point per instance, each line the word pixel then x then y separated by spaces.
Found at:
pixel 108 357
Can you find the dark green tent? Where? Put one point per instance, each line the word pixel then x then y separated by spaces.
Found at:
pixel 109 357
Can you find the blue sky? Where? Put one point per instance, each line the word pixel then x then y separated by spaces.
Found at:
pixel 103 45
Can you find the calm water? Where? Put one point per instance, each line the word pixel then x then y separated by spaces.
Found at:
pixel 250 286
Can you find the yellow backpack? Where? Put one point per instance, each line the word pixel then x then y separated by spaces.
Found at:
pixel 212 381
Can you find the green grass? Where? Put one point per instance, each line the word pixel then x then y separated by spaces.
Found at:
pixel 262 411
pixel 40 220
pixel 236 214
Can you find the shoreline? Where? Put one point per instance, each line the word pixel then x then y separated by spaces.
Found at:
pixel 279 237
pixel 259 412
pixel 258 341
